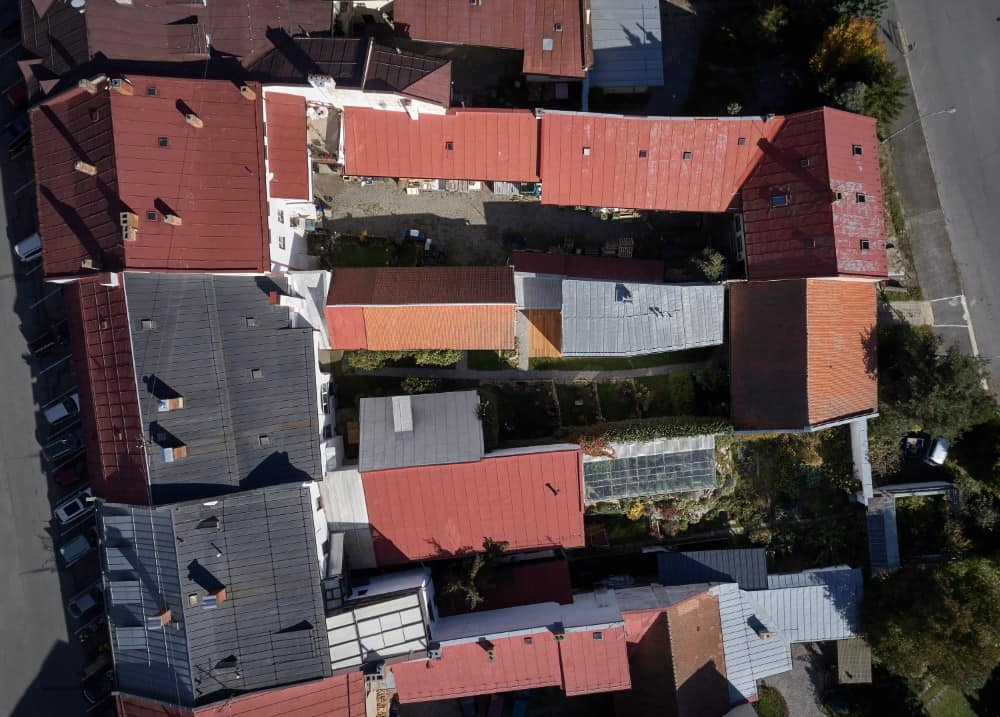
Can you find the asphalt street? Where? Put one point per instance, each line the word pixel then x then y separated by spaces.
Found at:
pixel 41 661
pixel 954 61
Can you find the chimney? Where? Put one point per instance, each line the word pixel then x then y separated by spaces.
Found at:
pixel 85 168
pixel 219 594
pixel 88 263
pixel 121 86
pixel 402 414
pixel 165 616
pixel 411 110
pixel 130 225
pixel 172 220
pixel 176 453
pixel 274 298
pixel 169 404
pixel 93 85
pixel 194 120
pixel 762 632
pixel 248 93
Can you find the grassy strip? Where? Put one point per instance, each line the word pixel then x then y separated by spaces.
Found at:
pixel 602 363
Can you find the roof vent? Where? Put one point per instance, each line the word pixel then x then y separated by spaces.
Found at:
pixel 85 168
pixel 174 453
pixel 434 651
pixel 402 414
pixel 121 86
pixel 194 120
pixel 173 220
pixel 559 632
pixel 547 44
pixel 322 82
pixel 248 93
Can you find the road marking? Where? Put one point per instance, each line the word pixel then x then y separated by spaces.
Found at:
pixel 950 326
pixel 45 298
pixel 56 363
pixel 947 298
pixel 24 186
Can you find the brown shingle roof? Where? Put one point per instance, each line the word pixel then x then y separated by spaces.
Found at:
pixel 422 285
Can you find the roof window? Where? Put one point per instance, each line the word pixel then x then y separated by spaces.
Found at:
pixel 250 322
pixel 804 162
pixel 151 215
pixel 263 441
pixel 642 154
pixel 527 640
pixel 857 150
pixel 779 200
pixel 598 635
pixel 860 198
pixel 741 141
pixel 148 324
pixel 557 27
pixel 687 155
pixel 865 245
pixel 839 195
pixel 449 146
pixel 151 90
pixel 163 141
pixel 257 374
pixel 586 151
pixel 95 114
pixel 547 44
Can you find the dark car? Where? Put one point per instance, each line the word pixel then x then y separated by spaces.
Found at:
pixel 63 447
pixel 99 687
pixel 16 135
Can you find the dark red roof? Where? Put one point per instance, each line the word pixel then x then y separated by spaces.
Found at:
pixel 392 286
pixel 211 177
pixel 109 403
pixel 589 267
pixel 338 696
pixel 531 500
pixel 512 24
pixel 594 160
pixel 512 585
pixel 420 76
pixel 810 158
pixel 580 664
pixel 802 352
pixel 489 145
pixel 287 146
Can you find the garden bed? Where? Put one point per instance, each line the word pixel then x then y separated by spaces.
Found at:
pixel 527 410
pixel 617 400
pixel 577 403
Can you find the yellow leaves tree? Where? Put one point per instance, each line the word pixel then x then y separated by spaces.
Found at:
pixel 852 41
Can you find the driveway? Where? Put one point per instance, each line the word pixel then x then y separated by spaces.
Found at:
pixel 811 675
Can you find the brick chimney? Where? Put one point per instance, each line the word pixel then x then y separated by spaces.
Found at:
pixel 121 86
pixel 219 594
pixel 165 616
pixel 85 168
pixel 93 85
pixel 194 120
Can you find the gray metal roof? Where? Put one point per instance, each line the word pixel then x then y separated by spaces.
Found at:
pixel 649 468
pixel 815 605
pixel 445 428
pixel 628 43
pixel 745 566
pixel 537 291
pixel 269 630
pixel 749 656
pixel 883 539
pixel 239 383
pixel 608 318
pixel 652 597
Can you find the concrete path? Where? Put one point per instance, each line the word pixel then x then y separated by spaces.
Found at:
pixel 517 375
pixel 803 686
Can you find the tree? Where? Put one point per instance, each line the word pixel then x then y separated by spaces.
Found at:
pixel 710 264
pixel 850 43
pixel 937 620
pixel 884 94
pixel 771 22
pixel 873 9
pixel 365 360
pixel 418 384
pixel 476 574
pixel 850 96
pixel 437 357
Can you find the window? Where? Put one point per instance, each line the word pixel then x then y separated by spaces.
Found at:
pixel 598 635
pixel 860 198
pixel 804 162
pixel 163 142
pixel 263 441
pixel 839 195
pixel 256 374
pixel 527 640
pixel 449 146
pixel 741 141
pixel 779 200
pixel 148 324
pixel 250 322
pixel 557 27
pixel 586 151
pixel 865 245
pixel 151 90
pixel 687 155
pixel 857 150
pixel 281 216
pixel 151 215
pixel 281 242
pixel 642 154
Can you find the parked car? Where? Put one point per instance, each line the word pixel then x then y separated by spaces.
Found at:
pixel 29 249
pixel 64 408
pixel 74 508
pixel 16 135
pixel 86 601
pixel 75 548
pixel 48 340
pixel 71 474
pixel 64 446
pixel 99 687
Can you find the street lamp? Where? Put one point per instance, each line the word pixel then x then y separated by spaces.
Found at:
pixel 945 111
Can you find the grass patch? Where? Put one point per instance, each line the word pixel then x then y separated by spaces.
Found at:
pixel 943 701
pixel 672 394
pixel 374 252
pixel 617 400
pixel 527 410
pixel 770 703
pixel 577 403
pixel 486 361
pixel 911 293
pixel 601 363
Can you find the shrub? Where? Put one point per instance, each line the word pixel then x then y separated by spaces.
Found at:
pixel 850 96
pixel 884 94
pixel 418 384
pixel 490 416
pixel 648 429
pixel 853 41
pixel 873 9
pixel 710 264
pixel 680 386
pixel 437 357
pixel 365 360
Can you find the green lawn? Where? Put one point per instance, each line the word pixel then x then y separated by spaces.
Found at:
pixel 617 400
pixel 486 361
pixel 572 394
pixel 942 701
pixel 770 703
pixel 374 252
pixel 598 363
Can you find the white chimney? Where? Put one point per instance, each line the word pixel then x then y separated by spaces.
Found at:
pixel 402 414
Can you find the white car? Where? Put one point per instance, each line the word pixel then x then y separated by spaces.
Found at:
pixel 77 506
pixel 62 409
pixel 29 249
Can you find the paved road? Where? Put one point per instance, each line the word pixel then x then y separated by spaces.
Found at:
pixel 955 62
pixel 41 663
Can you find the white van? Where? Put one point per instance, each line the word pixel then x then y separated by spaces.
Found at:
pixel 29 249
pixel 63 408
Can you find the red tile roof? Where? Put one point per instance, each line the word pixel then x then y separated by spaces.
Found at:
pixel 337 696
pixel 614 174
pixel 579 664
pixel 212 178
pixel 390 286
pixel 494 145
pixel 463 327
pixel 814 234
pixel 531 500
pixel 802 352
pixel 287 146
pixel 512 24
pixel 346 326
pixel 109 404
pixel 589 267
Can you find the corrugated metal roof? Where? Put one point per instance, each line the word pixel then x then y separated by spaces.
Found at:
pixel 238 382
pixel 689 164
pixel 581 266
pixel 446 429
pixel 749 657
pixel 287 146
pixel 745 566
pixel 530 500
pixel 628 43
pixel 815 605
pixel 606 318
pixel 212 178
pixel 475 144
pixel 394 286
pixel 648 468
pixel 883 539
pixel 109 409
pixel 854 662
pixel 513 24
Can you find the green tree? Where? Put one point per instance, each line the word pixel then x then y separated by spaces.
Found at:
pixel 476 574
pixel 937 620
pixel 710 264
pixel 437 357
pixel 873 9
pixel 419 384
pixel 365 360
pixel 884 94
pixel 850 96
pixel 771 22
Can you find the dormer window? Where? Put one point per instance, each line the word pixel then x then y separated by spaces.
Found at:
pixel 857 150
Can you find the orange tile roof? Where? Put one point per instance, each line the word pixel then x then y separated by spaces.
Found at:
pixel 403 328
